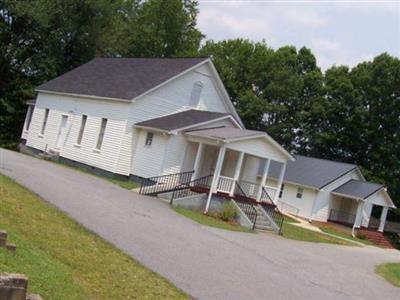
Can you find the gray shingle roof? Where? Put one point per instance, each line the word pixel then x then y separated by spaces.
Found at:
pixel 181 119
pixel 225 133
pixel 358 189
pixel 312 172
pixel 121 78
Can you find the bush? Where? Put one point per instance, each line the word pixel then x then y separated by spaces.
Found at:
pixel 229 211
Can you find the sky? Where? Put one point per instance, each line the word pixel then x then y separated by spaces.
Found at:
pixel 338 32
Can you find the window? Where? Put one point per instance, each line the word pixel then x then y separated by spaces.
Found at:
pixel 82 129
pixel 149 139
pixel 299 193
pixel 101 133
pixel 46 116
pixel 281 191
pixel 196 92
pixel 28 117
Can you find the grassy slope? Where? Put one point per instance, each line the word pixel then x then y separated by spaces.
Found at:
pixel 294 232
pixel 209 221
pixel 341 233
pixel 65 261
pixel 391 272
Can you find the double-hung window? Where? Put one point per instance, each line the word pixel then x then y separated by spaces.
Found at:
pixel 82 129
pixel 29 117
pixel 299 193
pixel 46 116
pixel 149 139
pixel 101 133
pixel 281 191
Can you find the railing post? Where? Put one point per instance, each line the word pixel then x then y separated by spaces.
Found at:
pixel 263 179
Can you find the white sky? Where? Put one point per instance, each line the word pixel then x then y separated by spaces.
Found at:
pixel 338 32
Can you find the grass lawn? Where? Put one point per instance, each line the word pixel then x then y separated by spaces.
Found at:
pixel 342 233
pixel 65 261
pixel 201 218
pixel 294 232
pixel 391 272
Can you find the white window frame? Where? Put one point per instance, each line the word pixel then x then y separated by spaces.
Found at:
pixel 102 131
pixel 300 192
pixel 81 130
pixel 281 191
pixel 149 139
pixel 28 118
pixel 45 119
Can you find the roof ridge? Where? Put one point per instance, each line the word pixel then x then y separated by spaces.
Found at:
pixel 325 159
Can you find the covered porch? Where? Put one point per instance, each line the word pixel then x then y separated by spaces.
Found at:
pixel 352 203
pixel 238 160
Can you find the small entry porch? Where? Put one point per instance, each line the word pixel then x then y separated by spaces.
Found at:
pixel 352 203
pixel 238 160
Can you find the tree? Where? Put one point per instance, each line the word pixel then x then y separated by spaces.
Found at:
pixel 273 91
pixel 165 28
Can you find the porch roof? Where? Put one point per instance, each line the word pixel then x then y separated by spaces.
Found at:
pixel 358 189
pixel 237 136
pixel 182 120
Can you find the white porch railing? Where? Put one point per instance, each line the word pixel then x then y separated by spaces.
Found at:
pixel 271 192
pixel 225 184
pixel 250 188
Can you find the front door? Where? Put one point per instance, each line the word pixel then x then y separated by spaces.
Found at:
pixel 62 132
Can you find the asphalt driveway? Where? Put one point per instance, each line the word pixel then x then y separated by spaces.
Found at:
pixel 205 262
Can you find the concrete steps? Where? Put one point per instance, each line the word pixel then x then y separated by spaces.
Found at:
pixel 375 237
pixel 262 222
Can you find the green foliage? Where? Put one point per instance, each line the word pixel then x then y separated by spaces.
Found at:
pixel 229 211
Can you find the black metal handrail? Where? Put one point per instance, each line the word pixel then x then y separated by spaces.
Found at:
pixel 273 212
pixel 245 204
pixel 194 187
pixel 164 183
pixel 265 197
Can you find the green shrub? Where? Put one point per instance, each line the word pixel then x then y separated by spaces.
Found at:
pixel 229 211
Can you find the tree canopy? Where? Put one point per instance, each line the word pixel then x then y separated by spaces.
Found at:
pixel 346 114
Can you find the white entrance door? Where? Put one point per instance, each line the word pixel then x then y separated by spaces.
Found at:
pixel 62 132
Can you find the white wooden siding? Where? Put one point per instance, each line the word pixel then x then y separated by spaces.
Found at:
pixel 174 154
pixel 322 203
pixel 121 139
pixel 289 200
pixel 149 159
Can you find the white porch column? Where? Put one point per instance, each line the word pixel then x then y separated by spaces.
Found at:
pixel 196 166
pixel 263 179
pixel 280 180
pixel 238 168
pixel 217 172
pixel 357 221
pixel 383 218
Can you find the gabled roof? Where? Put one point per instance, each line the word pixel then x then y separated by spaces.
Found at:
pixel 231 134
pixel 182 120
pixel 358 189
pixel 119 78
pixel 312 172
